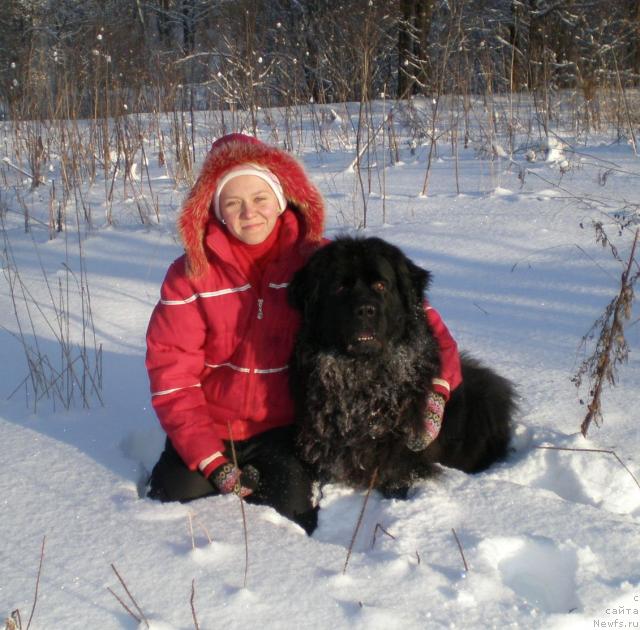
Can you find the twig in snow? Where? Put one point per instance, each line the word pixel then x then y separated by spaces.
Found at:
pixel 21 171
pixel 204 529
pixel 193 608
pixel 190 521
pixel 375 534
pixel 133 601
pixel 464 560
pixel 545 250
pixel 359 522
pixel 13 622
pixel 35 595
pixel 593 450
pixel 124 605
pixel 244 516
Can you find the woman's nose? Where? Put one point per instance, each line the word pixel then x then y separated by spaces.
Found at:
pixel 247 210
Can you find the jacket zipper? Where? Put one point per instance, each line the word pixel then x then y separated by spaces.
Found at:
pixel 248 403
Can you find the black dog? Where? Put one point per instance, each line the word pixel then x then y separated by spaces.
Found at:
pixel 362 367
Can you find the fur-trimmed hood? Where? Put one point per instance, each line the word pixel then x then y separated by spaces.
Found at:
pixel 226 153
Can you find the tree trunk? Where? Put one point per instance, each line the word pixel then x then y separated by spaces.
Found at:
pixel 424 17
pixel 635 40
pixel 518 69
pixel 188 26
pixel 164 24
pixel 405 48
pixel 413 44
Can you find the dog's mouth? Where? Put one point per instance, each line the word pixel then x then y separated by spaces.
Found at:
pixel 364 342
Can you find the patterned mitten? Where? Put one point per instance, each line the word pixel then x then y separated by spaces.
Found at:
pixel 228 478
pixel 432 423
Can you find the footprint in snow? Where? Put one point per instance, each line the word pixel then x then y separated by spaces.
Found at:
pixel 143 446
pixel 538 570
pixel 591 478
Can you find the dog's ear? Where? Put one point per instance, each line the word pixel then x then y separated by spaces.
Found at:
pixel 420 277
pixel 413 280
pixel 296 289
pixel 303 288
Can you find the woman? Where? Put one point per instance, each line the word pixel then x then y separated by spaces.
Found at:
pixel 221 336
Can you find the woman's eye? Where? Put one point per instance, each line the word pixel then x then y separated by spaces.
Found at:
pixel 379 286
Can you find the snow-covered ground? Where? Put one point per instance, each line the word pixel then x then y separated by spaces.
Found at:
pixel 550 537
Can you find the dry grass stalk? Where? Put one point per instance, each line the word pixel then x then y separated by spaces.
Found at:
pixel 242 510
pixel 35 595
pixel 193 607
pixel 593 450
pixel 190 521
pixel 141 617
pixel 127 609
pixel 375 534
pixel 202 526
pixel 374 476
pixel 461 550
pixel 611 346
pixel 13 622
pixel 191 518
pixel 73 372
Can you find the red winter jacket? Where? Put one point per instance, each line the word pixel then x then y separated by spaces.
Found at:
pixel 218 347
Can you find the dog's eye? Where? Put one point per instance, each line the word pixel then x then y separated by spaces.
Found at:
pixel 379 286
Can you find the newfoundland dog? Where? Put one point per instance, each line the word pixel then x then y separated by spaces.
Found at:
pixel 362 368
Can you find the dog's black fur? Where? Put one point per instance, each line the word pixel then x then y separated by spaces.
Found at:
pixel 362 367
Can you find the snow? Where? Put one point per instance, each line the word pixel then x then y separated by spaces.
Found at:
pixel 550 536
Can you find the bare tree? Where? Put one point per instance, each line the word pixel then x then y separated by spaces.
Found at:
pixel 414 28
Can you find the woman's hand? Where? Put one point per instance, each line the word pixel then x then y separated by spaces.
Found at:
pixel 229 478
pixel 432 423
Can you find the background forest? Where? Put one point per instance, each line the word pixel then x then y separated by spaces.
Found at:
pixel 63 58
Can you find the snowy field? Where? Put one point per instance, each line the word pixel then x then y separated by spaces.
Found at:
pixel 547 539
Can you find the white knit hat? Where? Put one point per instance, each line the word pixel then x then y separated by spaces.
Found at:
pixel 250 169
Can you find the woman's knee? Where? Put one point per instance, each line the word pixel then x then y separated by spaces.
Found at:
pixel 171 480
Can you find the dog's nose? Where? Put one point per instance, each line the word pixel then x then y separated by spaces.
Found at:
pixel 366 310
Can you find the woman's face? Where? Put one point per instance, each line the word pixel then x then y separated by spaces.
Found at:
pixel 249 207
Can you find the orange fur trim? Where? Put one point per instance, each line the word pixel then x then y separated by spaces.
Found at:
pixel 227 153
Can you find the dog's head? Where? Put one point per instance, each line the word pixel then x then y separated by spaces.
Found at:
pixel 356 295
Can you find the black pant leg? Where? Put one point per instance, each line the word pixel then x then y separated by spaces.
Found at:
pixel 285 483
pixel 171 479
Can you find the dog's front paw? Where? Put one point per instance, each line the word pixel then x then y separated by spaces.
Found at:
pixel 396 492
pixel 418 442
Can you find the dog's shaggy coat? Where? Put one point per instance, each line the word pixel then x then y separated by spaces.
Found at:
pixel 362 367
